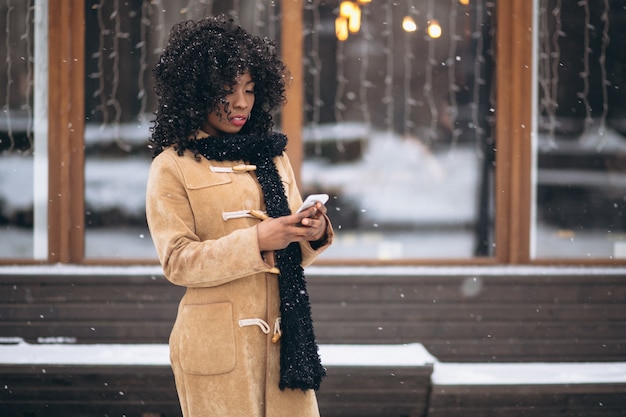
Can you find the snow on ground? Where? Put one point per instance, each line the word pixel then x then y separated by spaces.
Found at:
pixel 16 182
pixel 117 183
pixel 402 181
pixel 396 182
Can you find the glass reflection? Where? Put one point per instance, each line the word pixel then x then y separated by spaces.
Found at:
pixel 16 133
pixel 399 128
pixel 398 122
pixel 581 145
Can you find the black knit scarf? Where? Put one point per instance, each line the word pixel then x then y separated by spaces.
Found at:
pixel 300 365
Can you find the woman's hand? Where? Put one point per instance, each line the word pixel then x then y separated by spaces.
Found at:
pixel 308 225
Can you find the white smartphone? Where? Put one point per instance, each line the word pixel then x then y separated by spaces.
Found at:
pixel 311 200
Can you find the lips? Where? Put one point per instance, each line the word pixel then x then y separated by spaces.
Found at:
pixel 239 121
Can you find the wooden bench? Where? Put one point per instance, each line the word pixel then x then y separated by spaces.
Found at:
pixel 366 380
pixel 136 380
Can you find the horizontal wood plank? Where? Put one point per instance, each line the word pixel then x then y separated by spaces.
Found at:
pixel 137 390
pixel 528 400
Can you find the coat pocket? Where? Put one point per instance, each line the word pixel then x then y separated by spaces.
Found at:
pixel 207 339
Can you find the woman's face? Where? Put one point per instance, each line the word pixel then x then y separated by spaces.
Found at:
pixel 231 115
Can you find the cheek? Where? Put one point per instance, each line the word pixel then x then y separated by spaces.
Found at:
pixel 216 116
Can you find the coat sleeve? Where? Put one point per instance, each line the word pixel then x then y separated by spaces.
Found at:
pixel 295 200
pixel 186 260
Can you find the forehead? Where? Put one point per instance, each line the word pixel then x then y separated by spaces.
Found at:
pixel 244 78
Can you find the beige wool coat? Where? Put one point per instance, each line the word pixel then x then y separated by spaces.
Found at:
pixel 221 350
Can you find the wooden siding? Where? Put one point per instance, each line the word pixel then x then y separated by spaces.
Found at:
pixel 149 391
pixel 469 317
pixel 584 400
pixel 461 316
pixel 81 391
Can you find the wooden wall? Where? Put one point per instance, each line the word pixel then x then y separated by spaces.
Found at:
pixel 478 315
pixel 458 314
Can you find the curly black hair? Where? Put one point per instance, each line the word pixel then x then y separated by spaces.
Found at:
pixel 198 67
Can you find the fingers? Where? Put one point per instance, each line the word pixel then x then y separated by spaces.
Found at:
pixel 317 211
pixel 307 229
pixel 321 209
pixel 315 227
pixel 277 233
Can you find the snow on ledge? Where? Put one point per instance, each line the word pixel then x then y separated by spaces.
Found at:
pixel 412 354
pixel 461 270
pixel 18 352
pixel 529 373
pixel 66 269
pixel 22 353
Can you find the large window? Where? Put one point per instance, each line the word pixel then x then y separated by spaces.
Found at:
pixel 443 130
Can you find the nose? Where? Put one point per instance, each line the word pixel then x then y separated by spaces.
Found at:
pixel 239 100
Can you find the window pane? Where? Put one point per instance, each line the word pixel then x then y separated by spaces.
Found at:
pixel 16 204
pixel 17 139
pixel 122 47
pixel 581 131
pixel 117 160
pixel 399 127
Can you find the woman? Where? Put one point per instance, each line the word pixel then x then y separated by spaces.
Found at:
pixel 220 198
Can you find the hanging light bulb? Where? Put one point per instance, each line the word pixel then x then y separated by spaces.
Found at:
pixel 408 24
pixel 354 22
pixel 341 28
pixel 464 2
pixel 346 9
pixel 434 29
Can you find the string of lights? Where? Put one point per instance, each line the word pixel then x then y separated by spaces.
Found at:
pixel 452 110
pixel 409 26
pixel 584 94
pixel 313 62
pixel 388 99
pixel 99 56
pixel 27 107
pixel 479 61
pixel 555 57
pixel 339 106
pixel 364 83
pixel 431 133
pixel 9 70
pixel 146 16
pixel 604 83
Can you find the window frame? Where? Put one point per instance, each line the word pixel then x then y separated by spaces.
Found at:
pixel 66 158
pixel 513 128
pixel 513 186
